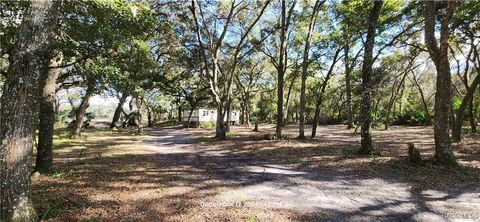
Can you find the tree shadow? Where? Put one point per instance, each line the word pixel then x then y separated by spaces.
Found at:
pixel 175 178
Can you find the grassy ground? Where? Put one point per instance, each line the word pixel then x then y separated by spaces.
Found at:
pixel 120 176
pixel 90 173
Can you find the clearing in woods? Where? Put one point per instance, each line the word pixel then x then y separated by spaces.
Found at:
pixel 173 174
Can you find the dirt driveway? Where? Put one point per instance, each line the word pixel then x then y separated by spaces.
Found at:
pixel 233 183
pixel 173 174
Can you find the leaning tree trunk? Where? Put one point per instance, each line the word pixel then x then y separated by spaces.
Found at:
pixel 387 115
pixel 321 93
pixel 305 63
pixel 428 120
pixel 393 99
pixel 287 102
pixel 471 114
pixel 439 55
pixel 366 109
pixel 19 110
pixel 82 109
pixel 452 119
pixel 44 158
pixel 190 117
pixel 457 132
pixel 118 110
pixel 348 87
pixel 391 103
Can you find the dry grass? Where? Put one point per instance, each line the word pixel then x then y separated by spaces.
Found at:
pixel 103 177
pixel 119 176
pixel 335 148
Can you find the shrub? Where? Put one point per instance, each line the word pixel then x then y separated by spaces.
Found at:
pixel 410 118
pixel 207 125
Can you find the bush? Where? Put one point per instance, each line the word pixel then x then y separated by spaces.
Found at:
pixel 409 118
pixel 88 119
pixel 207 125
pixel 63 116
pixel 131 119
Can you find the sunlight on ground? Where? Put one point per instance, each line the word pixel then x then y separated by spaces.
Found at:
pixel 163 176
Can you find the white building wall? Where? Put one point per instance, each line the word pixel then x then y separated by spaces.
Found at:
pixel 208 115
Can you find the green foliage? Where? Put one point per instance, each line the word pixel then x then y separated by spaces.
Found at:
pixel 265 109
pixel 252 218
pixel 456 104
pixel 410 117
pixel 11 12
pixel 63 175
pixel 207 124
pixel 63 116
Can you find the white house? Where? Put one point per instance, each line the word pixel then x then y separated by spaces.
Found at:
pixel 208 115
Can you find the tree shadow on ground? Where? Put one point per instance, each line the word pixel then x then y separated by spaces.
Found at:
pixel 170 179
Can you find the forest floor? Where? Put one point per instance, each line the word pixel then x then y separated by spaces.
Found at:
pixel 173 174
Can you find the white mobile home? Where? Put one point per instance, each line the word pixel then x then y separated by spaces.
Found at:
pixel 200 115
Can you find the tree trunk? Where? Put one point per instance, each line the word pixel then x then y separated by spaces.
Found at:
pixel 180 112
pixel 348 71
pixel 190 116
pixel 292 116
pixel 348 87
pixel 213 63
pixel 281 70
pixel 316 117
pixel 82 109
pixel 321 92
pixel 118 110
pixel 439 55
pixel 428 120
pixel 220 131
pixel 390 104
pixel 149 117
pixel 244 111
pixel 375 108
pixel 44 158
pixel 305 63
pixel 19 110
pixel 452 119
pixel 457 132
pixel 287 102
pixel 366 109
pixel 393 99
pixel 139 102
pixel 229 117
pixel 247 112
pixel 471 114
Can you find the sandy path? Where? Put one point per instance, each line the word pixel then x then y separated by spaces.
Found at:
pixel 247 183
